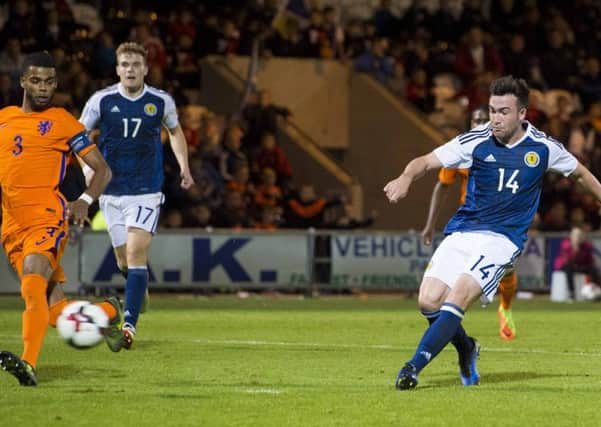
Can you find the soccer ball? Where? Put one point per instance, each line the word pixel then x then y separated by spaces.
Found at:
pixel 82 324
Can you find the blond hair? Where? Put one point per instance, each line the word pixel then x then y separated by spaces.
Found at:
pixel 132 47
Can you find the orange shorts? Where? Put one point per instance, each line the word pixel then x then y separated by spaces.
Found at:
pixel 48 241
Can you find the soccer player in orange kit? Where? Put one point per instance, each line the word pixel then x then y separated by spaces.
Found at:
pixel 35 140
pixel 446 177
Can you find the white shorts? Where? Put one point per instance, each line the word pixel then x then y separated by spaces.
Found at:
pixel 484 256
pixel 121 212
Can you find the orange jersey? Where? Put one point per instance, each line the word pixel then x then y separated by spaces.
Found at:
pixel 449 176
pixel 33 157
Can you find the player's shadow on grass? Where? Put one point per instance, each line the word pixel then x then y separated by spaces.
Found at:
pixel 497 377
pixel 66 372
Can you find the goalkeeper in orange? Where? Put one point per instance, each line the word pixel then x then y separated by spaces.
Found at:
pixel 446 177
pixel 35 140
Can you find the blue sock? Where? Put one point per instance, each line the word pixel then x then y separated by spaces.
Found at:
pixel 438 335
pixel 461 340
pixel 135 287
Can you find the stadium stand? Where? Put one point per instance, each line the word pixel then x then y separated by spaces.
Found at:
pixel 437 56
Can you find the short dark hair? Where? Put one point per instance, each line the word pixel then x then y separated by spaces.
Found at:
pixel 37 59
pixel 509 85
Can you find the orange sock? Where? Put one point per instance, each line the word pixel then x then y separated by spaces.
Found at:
pixel 108 309
pixel 507 289
pixel 35 316
pixel 56 309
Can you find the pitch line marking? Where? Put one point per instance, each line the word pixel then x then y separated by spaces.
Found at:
pixel 262 391
pixel 258 343
pixel 357 346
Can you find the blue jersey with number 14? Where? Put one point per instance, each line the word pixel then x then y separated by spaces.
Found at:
pixel 505 181
pixel 130 136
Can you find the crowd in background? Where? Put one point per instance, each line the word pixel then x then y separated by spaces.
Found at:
pixel 440 56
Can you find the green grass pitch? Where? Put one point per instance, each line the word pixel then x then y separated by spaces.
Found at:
pixel 327 361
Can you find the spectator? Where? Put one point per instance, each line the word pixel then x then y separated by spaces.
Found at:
pixel 268 219
pixel 210 146
pixel 104 58
pixel 556 218
pixel 306 210
pixel 228 42
pixel 449 107
pixel 398 82
pixel 260 118
pixel 232 156
pixel 558 62
pixel 271 155
pixel 560 122
pixel 375 61
pixel 157 56
pixel 591 134
pixel 354 40
pixel 267 193
pixel 314 34
pixel 183 24
pixel 184 62
pixel 516 61
pixel 386 23
pixel 589 87
pixel 576 256
pixel 417 91
pixel 233 213
pixel 240 182
pixel 11 59
pixel 334 34
pixel 173 218
pixel 208 36
pixel 198 216
pixel 8 92
pixel 289 41
pixel 475 57
pixel 22 26
pixel 191 121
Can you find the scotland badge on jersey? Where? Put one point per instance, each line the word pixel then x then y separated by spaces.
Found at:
pixel 150 109
pixel 532 159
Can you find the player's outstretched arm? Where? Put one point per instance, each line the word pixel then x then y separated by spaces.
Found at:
pixel 78 209
pixel 177 140
pixel 398 188
pixel 438 195
pixel 587 180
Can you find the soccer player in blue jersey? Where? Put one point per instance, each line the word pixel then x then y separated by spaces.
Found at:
pixel 507 158
pixel 130 116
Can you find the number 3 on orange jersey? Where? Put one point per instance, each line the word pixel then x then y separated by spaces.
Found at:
pixel 18 145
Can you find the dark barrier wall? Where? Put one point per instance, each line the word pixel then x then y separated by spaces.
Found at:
pixel 383 141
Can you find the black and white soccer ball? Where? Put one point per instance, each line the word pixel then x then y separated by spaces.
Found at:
pixel 82 324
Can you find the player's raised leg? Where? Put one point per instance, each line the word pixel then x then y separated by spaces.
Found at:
pixel 57 301
pixel 507 290
pixel 440 333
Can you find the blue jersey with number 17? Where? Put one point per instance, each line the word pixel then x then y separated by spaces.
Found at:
pixel 130 136
pixel 505 181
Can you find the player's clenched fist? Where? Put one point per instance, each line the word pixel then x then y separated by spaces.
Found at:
pixel 77 211
pixel 187 180
pixel 397 188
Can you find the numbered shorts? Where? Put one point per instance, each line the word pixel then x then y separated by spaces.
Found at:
pixel 121 212
pixel 48 241
pixel 484 256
